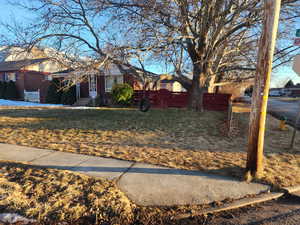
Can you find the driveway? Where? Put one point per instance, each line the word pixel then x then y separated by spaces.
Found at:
pixel 288 109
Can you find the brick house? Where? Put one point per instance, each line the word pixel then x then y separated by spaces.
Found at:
pixel 170 85
pixel 30 75
pixel 102 83
pixel 33 76
pixel 33 73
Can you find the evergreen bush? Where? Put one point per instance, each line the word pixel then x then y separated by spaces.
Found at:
pixel 54 93
pixel 68 96
pixel 2 89
pixel 11 91
pixel 122 94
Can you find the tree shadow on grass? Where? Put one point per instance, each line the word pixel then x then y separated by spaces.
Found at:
pixel 169 129
pixel 120 118
pixel 161 124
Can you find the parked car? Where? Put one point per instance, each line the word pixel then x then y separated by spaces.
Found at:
pixel 275 93
pixel 286 92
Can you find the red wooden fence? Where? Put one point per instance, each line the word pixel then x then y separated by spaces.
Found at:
pixel 216 102
pixel 164 99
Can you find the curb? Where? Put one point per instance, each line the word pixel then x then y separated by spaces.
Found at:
pixel 291 190
pixel 234 205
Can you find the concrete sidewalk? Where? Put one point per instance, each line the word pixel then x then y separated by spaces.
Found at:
pixel 144 184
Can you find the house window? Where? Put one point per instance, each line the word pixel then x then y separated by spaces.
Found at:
pixel 49 77
pixel 110 81
pixel 10 77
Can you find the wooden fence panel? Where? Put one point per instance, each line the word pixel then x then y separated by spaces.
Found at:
pixel 178 100
pixel 216 102
pixel 164 99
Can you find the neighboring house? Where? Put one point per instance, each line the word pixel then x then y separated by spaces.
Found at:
pixel 30 71
pixel 34 71
pixel 17 53
pixel 96 84
pixel 33 76
pixel 289 89
pixel 167 82
pixel 101 84
pixel 170 85
pixel 30 75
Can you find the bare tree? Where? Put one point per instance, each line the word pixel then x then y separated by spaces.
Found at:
pixel 203 38
pixel 73 33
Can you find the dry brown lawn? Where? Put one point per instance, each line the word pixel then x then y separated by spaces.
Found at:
pixel 53 196
pixel 174 137
pixel 49 195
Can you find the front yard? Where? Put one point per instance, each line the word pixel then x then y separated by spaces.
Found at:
pixel 173 137
pixel 49 195
pixel 52 196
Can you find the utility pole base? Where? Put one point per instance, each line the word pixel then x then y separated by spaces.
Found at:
pixel 250 175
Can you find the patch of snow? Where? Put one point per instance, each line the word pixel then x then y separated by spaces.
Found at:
pixel 14 218
pixel 4 102
pixel 81 107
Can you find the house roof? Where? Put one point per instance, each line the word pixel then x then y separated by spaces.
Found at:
pixel 18 65
pixel 63 72
pixel 166 81
pixel 131 67
pixel 127 69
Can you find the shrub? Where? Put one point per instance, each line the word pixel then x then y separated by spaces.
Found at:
pixel 2 89
pixel 53 93
pixel 11 91
pixel 122 94
pixel 68 96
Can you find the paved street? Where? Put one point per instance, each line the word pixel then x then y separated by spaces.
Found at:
pixel 289 109
pixel 285 211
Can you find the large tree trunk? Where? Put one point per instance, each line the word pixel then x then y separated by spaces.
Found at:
pixel 197 90
pixel 195 97
pixel 211 85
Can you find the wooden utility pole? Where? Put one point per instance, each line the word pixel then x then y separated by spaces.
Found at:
pixel 258 113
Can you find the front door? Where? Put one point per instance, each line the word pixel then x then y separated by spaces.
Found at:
pixel 93 86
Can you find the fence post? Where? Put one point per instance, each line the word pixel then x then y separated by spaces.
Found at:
pixel 229 116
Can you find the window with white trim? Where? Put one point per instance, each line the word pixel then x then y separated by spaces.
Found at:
pixel 49 77
pixel 110 81
pixel 10 77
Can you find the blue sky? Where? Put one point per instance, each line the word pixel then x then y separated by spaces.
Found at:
pixel 7 12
